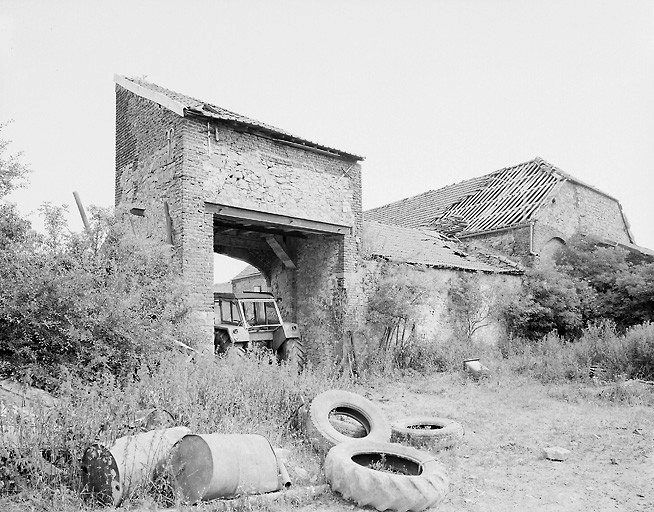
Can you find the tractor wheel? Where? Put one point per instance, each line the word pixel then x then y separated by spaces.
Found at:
pixel 323 434
pixel 293 352
pixel 223 346
pixel 426 432
pixel 386 476
pixel 220 342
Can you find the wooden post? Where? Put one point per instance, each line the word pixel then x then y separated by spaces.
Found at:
pixel 80 207
pixel 169 224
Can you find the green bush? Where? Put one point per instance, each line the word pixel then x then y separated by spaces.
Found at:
pixel 620 356
pixel 590 283
pixel 91 303
pixel 394 298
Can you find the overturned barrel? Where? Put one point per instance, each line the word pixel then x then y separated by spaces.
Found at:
pixel 110 475
pixel 204 467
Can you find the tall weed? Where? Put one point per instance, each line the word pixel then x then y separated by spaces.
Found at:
pixel 251 394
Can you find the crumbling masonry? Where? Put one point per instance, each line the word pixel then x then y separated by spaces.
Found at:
pixel 232 185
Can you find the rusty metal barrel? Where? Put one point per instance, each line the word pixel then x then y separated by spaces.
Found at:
pixel 112 474
pixel 204 467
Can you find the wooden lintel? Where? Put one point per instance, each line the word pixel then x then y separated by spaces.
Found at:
pixel 280 251
pixel 257 218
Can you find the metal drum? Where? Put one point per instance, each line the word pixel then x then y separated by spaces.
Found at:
pixel 209 466
pixel 111 475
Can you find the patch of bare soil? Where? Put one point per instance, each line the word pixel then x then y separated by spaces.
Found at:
pixel 499 465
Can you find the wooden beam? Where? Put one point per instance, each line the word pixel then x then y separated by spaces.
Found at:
pixel 280 251
pixel 253 217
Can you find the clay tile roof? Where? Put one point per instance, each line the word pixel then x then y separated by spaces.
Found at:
pixel 425 247
pixel 504 198
pixel 248 271
pixel 195 107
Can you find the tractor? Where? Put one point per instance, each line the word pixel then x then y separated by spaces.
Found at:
pixel 248 320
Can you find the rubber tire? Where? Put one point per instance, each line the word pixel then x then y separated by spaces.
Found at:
pixel 447 435
pixel 349 429
pixel 322 434
pixel 293 352
pixel 220 342
pixel 383 490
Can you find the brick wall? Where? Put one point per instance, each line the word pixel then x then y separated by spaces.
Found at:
pixel 188 162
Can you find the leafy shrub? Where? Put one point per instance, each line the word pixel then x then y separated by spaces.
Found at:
pixel 551 301
pixel 589 283
pixel 91 303
pixel 394 301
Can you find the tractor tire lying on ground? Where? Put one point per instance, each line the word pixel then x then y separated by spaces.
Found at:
pixel 427 432
pixel 386 476
pixel 323 435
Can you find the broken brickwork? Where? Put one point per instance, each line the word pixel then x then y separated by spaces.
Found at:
pixel 237 187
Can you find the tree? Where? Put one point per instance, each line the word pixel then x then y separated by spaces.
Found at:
pixel 551 301
pixel 13 175
pixel 13 172
pixel 472 306
pixel 590 282
pixel 622 281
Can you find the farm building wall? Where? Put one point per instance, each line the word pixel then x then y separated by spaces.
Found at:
pixel 243 170
pixel 252 283
pixel 190 163
pixel 513 242
pixel 576 209
pixel 437 320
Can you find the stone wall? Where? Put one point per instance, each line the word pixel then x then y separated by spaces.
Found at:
pixel 573 209
pixel 239 169
pixel 148 158
pixel 437 322
pixel 192 162
pixel 514 242
pixel 252 172
pixel 576 209
pixel 250 284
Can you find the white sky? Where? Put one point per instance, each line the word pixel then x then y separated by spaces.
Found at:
pixel 430 92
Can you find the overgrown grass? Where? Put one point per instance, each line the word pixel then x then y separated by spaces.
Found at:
pixel 551 359
pixel 209 395
pixel 254 394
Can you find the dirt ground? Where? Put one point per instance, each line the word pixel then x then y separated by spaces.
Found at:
pixel 499 465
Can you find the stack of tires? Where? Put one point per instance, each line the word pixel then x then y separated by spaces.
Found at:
pixel 363 465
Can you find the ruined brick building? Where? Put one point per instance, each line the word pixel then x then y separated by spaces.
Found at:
pixel 209 181
pixel 212 181
pixel 526 212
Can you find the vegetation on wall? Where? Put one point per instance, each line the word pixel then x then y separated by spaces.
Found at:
pixel 471 305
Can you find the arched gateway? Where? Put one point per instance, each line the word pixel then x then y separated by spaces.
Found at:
pixel 221 182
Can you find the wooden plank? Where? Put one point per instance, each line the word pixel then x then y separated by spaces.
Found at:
pixel 258 218
pixel 279 248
